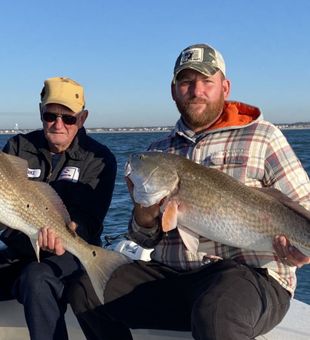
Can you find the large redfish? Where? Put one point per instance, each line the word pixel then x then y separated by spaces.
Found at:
pixel 28 206
pixel 206 202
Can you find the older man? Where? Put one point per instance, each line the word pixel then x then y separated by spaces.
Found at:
pixel 82 171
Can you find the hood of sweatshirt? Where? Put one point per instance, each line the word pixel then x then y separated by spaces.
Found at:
pixel 236 115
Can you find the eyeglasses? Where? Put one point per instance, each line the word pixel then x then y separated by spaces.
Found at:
pixel 51 117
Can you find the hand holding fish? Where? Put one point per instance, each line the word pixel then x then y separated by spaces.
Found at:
pixel 48 240
pixel 288 253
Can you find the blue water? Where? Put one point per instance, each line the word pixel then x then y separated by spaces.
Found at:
pixel 123 144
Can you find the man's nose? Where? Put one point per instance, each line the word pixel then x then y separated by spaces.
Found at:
pixel 197 88
pixel 58 122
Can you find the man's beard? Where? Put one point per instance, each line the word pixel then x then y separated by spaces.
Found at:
pixel 204 118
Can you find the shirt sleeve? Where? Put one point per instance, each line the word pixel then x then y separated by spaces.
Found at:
pixel 145 237
pixel 284 171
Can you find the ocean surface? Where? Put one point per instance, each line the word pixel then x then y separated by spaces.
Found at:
pixel 123 144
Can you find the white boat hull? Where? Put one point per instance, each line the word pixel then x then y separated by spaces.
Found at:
pixel 295 325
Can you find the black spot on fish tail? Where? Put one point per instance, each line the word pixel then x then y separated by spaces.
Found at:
pixel 94 253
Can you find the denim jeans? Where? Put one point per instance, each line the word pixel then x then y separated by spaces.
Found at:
pixel 40 288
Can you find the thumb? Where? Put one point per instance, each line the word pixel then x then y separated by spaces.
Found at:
pixel 72 226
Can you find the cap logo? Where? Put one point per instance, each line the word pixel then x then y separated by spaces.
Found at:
pixel 190 55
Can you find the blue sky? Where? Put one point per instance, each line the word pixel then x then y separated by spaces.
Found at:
pixel 123 52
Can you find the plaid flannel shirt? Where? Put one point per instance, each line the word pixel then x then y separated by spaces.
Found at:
pixel 256 154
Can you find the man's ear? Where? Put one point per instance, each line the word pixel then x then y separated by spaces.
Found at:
pixel 40 109
pixel 83 117
pixel 173 90
pixel 226 88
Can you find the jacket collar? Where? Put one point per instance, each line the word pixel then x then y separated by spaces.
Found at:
pixel 75 151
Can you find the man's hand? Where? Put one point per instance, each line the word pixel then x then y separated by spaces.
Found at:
pixel 48 240
pixel 145 217
pixel 288 254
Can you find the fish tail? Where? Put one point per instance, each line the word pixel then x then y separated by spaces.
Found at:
pixel 100 265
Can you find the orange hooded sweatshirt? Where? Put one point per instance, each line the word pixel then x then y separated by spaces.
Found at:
pixel 236 114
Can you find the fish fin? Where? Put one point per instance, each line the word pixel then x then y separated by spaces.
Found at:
pixel 286 201
pixel 53 199
pixel 100 266
pixel 36 247
pixel 189 238
pixel 170 216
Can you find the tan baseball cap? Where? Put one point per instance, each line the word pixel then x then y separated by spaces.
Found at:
pixel 200 57
pixel 64 91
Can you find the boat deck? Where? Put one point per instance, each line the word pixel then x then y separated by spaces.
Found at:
pixel 295 325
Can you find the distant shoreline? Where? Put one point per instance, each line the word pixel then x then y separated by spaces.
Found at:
pixel 302 126
pixel 98 130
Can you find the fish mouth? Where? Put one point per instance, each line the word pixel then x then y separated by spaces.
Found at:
pixel 128 167
pixel 132 174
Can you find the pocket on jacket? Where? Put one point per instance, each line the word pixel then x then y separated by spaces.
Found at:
pixel 239 164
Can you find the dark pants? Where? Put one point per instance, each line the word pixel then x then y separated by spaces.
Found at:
pixel 224 300
pixel 40 288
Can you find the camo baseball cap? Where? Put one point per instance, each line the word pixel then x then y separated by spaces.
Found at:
pixel 64 91
pixel 200 57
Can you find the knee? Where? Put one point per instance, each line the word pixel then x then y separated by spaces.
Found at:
pixel 32 275
pixel 31 281
pixel 223 318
